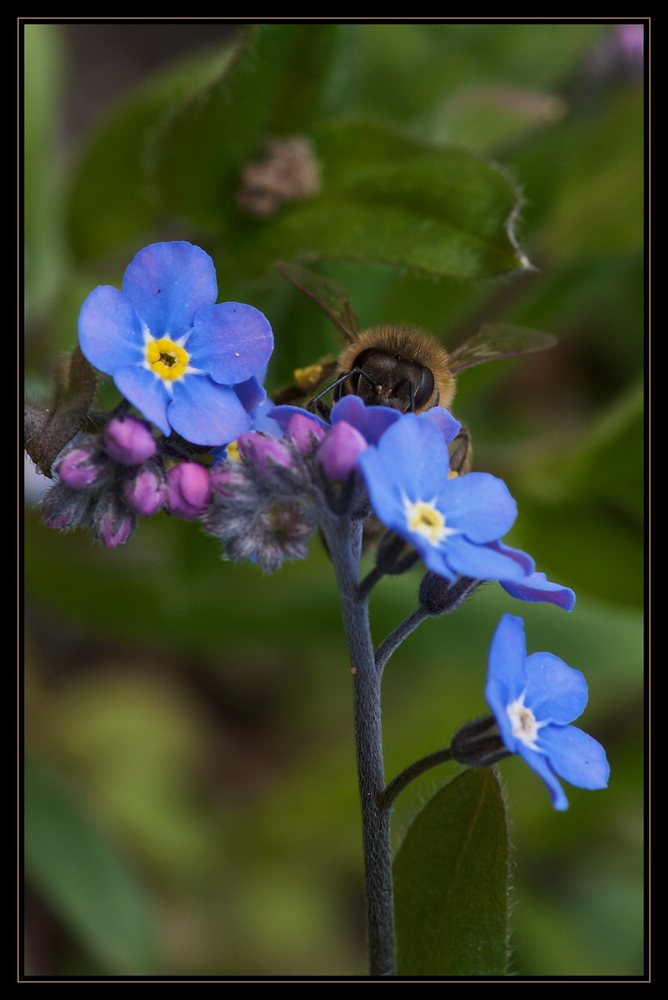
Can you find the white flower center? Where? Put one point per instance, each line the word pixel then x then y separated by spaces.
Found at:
pixel 523 721
pixel 424 518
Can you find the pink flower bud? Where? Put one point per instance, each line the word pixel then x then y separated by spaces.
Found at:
pixel 305 432
pixel 338 451
pixel 112 523
pixel 188 490
pixel 223 477
pixel 64 507
pixel 146 492
pixel 129 440
pixel 259 448
pixel 78 469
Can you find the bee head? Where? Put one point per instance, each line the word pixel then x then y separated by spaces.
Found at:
pixel 383 378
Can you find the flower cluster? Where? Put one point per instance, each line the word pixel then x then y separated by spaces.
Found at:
pixel 106 481
pixel 194 369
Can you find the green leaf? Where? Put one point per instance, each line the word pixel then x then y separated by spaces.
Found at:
pixel 111 203
pixel 43 78
pixel 87 882
pixel 451 883
pixel 392 201
pixel 273 88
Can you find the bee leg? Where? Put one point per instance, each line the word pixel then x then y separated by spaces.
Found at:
pixel 461 453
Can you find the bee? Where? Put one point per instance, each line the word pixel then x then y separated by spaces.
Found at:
pixel 397 366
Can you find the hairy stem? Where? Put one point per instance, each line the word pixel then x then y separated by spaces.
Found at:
pixel 343 537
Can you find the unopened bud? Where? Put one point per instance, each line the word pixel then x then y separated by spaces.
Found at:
pixel 394 556
pixel 128 440
pixel 81 467
pixel 305 432
pixel 111 522
pixel 188 490
pixel 260 449
pixel 337 452
pixel 223 479
pixel 64 507
pixel 146 491
pixel 439 595
pixel 479 744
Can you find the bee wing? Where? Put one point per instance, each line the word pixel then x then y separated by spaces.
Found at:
pixel 327 296
pixel 498 340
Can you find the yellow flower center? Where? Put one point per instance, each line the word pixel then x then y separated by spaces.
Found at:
pixel 233 452
pixel 166 359
pixel 424 519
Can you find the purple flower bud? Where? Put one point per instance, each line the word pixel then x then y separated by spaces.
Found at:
pixel 64 507
pixel 79 468
pixel 188 490
pixel 112 523
pixel 146 491
pixel 337 452
pixel 129 440
pixel 259 448
pixel 304 431
pixel 223 477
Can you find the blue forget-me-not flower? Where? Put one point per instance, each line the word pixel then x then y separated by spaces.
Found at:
pixel 534 699
pixel 184 362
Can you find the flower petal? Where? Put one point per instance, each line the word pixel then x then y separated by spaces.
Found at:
pixel 506 673
pixel 540 765
pixel 555 691
pixel 252 395
pixel 577 757
pixel 145 391
pixel 110 333
pixel 524 560
pixel 205 412
pixel 481 562
pixel 231 342
pixel 411 460
pixel 536 588
pixel 168 284
pixel 445 421
pixel 284 414
pixel 370 421
pixel 481 506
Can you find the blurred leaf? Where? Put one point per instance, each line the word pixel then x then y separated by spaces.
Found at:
pixel 451 883
pixel 393 201
pixel 42 178
pixel 581 509
pixel 607 466
pixel 111 204
pixel 584 181
pixel 402 72
pixel 87 882
pixel 601 203
pixel 273 88
pixel 483 118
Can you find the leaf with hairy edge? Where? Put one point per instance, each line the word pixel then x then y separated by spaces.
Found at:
pixel 451 883
pixel 48 427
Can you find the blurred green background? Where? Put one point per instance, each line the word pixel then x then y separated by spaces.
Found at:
pixel 191 801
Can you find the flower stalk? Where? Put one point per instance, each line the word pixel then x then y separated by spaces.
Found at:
pixel 343 536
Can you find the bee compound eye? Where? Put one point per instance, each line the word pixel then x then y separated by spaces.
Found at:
pixel 425 389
